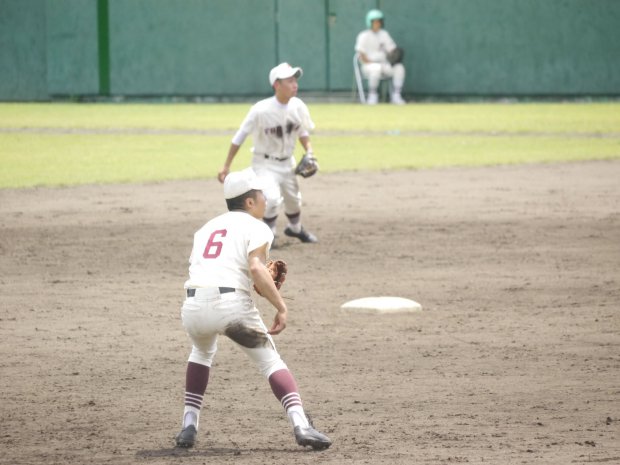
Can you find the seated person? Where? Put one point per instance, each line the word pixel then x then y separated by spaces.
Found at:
pixel 375 45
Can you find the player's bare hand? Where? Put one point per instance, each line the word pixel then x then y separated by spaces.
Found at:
pixel 279 323
pixel 222 174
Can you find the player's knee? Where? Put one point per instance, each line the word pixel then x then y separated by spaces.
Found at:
pixel 399 72
pixel 273 207
pixel 202 358
pixel 270 367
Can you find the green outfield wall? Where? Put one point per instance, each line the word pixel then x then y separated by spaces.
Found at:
pixel 225 48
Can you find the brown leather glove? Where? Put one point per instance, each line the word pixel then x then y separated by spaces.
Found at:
pixel 308 166
pixel 277 269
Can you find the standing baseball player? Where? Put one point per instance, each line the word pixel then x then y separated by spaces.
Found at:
pixel 275 124
pixel 228 254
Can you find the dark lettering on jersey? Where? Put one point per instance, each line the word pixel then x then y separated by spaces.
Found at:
pixel 278 131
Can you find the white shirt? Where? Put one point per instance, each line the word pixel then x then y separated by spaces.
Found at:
pixel 375 45
pixel 275 127
pixel 221 249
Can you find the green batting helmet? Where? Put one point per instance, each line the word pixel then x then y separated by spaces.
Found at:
pixel 372 15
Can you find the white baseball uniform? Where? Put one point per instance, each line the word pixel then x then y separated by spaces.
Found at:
pixel 275 129
pixel 376 46
pixel 218 291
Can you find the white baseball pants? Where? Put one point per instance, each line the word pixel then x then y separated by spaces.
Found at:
pixel 211 313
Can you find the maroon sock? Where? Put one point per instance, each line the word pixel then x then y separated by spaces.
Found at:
pixel 271 222
pixel 196 379
pixel 294 218
pixel 284 388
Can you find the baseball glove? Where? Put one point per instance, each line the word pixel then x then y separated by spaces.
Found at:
pixel 396 56
pixel 308 166
pixel 277 269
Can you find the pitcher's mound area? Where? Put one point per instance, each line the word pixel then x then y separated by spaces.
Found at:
pixel 382 305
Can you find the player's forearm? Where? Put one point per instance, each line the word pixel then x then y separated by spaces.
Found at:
pixel 306 144
pixel 232 151
pixel 265 285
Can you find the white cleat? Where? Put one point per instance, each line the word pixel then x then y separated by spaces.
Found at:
pixel 311 437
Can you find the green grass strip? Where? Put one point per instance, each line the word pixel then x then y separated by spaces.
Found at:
pixel 69 144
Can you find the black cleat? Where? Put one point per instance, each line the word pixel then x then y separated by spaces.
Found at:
pixel 187 437
pixel 311 437
pixel 303 235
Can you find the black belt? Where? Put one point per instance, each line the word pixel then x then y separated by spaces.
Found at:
pixel 271 157
pixel 223 290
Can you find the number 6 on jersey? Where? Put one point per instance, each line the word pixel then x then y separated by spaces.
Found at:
pixel 213 244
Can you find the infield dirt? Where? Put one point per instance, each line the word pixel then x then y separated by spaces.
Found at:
pixel 515 358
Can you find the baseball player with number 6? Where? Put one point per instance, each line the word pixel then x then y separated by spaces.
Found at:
pixel 275 124
pixel 228 258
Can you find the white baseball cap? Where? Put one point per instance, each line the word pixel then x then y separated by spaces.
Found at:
pixel 240 182
pixel 284 71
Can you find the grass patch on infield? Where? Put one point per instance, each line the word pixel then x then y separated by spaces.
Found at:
pixel 66 144
pixel 566 118
pixel 401 152
pixel 70 159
